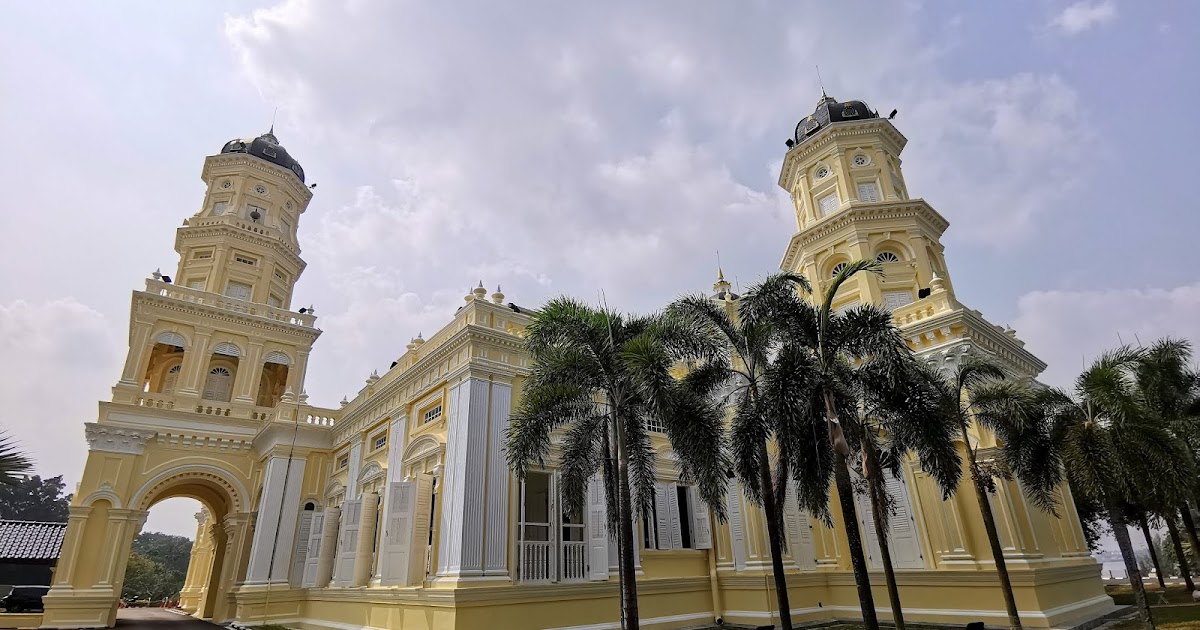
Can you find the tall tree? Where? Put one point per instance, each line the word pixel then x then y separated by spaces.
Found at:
pixel 833 344
pixel 978 392
pixel 902 408
pixel 35 499
pixel 598 376
pixel 1151 548
pixel 14 463
pixel 1102 428
pixel 746 371
pixel 1170 392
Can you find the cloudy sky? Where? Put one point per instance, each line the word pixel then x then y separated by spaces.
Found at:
pixel 554 147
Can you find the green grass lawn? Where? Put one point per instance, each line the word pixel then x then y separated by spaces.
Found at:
pixel 1165 617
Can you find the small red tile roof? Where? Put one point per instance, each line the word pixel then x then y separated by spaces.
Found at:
pixel 30 540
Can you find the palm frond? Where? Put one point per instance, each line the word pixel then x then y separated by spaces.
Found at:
pixel 13 461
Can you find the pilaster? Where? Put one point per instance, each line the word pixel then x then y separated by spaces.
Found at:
pixel 195 360
pixel 139 352
pixel 249 372
pixel 467 549
pixel 397 441
pixel 275 527
pixel 354 468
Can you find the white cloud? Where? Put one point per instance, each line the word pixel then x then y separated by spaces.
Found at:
pixel 57 358
pixel 1082 16
pixel 1068 329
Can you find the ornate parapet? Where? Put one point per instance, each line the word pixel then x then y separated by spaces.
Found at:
pixel 116 439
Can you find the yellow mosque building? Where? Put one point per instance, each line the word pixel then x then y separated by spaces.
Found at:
pixel 397 510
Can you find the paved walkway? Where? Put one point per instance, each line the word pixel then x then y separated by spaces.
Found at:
pixel 158 619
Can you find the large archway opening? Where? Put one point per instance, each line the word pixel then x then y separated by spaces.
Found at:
pixel 173 548
pixel 212 499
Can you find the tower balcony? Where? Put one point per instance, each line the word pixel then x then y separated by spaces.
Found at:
pixel 225 303
pixel 157 404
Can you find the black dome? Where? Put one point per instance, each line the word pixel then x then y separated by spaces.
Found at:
pixel 829 111
pixel 266 147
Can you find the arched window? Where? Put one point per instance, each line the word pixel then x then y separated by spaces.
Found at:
pixel 218 384
pixel 168 383
pixel 887 257
pixel 837 269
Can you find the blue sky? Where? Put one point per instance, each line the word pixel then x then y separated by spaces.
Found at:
pixel 554 148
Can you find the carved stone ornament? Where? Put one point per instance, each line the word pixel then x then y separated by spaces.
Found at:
pixel 116 439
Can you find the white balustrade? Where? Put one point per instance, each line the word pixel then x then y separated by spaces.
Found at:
pixel 224 302
pixel 574 561
pixel 535 561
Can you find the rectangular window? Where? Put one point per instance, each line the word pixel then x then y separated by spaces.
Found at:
pixel 655 425
pixel 285 226
pixel 246 260
pixel 219 208
pixel 238 291
pixel 380 441
pixel 202 254
pixel 893 300
pixel 274 300
pixel 829 204
pixel 868 192
pixel 431 414
pixel 343 462
pixel 282 276
pixel 196 283
pixel 668 522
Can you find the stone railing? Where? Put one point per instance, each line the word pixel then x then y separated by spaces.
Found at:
pixel 233 220
pixel 284 411
pixel 216 300
pixel 923 308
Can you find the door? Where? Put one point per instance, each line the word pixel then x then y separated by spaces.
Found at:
pixel 536 530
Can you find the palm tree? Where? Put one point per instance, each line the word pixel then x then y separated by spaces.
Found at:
pixel 1170 391
pixel 751 334
pixel 835 343
pixel 1113 446
pixel 902 408
pixel 1144 525
pixel 978 392
pixel 598 376
pixel 13 461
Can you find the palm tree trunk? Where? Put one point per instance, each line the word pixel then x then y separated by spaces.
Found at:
pixel 773 536
pixel 629 603
pixel 1181 557
pixel 1189 525
pixel 845 490
pixel 989 525
pixel 1121 533
pixel 874 473
pixel 1150 545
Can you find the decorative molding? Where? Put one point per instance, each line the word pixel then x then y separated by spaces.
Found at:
pixel 422 447
pixel 116 439
pixel 333 489
pixel 371 472
pixel 195 440
pixel 227 481
pixel 215 313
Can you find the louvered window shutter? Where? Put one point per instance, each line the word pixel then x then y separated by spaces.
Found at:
pixel 397 536
pixel 737 527
pixel 597 527
pixel 303 534
pixel 662 515
pixel 314 550
pixel 799 534
pixel 701 532
pixel 905 545
pixel 347 542
pixel 673 519
pixel 866 523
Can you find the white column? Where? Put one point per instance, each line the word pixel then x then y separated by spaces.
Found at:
pixel 474 492
pixel 276 522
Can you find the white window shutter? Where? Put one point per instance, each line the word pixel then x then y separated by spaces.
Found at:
pixel 303 535
pixel 314 550
pixel 829 204
pixel 406 536
pixel 397 535
pixel 799 532
pixel 905 546
pixel 866 524
pixel 868 192
pixel 343 572
pixel 597 520
pixel 674 519
pixel 701 533
pixel 737 527
pixel 662 515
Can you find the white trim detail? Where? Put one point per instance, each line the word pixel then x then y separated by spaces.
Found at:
pixel 276 356
pixel 227 349
pixel 171 339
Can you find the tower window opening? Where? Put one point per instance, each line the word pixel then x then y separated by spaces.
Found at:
pixel 273 300
pixel 282 276
pixel 431 414
pixel 196 283
pixel 887 257
pixel 823 172
pixel 837 269
pixel 245 260
pixel 202 254
pixel 238 291
pixel 861 160
pixel 219 208
pixel 218 385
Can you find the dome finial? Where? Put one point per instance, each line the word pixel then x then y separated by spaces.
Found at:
pixel 276 113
